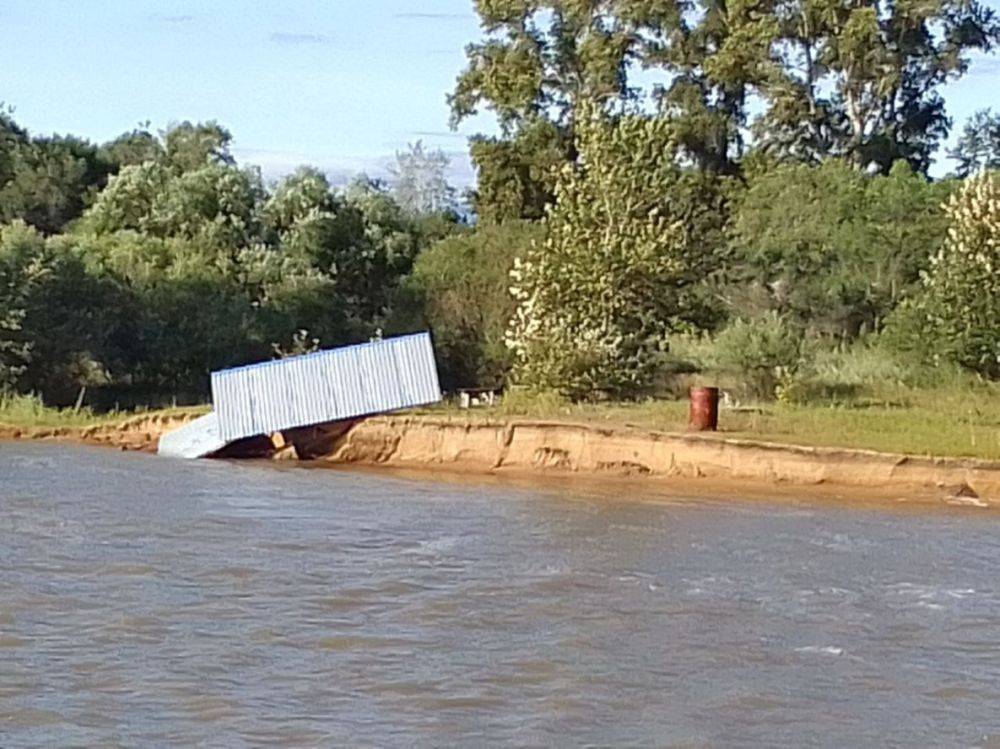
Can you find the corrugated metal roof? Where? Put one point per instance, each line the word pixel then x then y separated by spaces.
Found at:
pixel 325 386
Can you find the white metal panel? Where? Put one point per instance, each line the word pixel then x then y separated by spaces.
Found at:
pixel 326 386
pixel 379 391
pixel 418 379
pixel 196 439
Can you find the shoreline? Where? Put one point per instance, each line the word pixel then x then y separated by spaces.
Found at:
pixel 535 449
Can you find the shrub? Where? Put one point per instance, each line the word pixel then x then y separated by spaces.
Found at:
pixel 753 355
pixel 834 249
pixel 866 372
pixel 956 316
pixel 460 285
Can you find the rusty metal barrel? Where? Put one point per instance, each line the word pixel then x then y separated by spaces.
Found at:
pixel 704 415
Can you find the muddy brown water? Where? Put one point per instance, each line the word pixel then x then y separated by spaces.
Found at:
pixel 145 602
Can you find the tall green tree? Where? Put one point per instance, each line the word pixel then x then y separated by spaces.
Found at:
pixel 713 55
pixel 538 61
pixel 597 302
pixel 832 248
pixel 541 58
pixel 863 80
pixel 955 316
pixel 979 146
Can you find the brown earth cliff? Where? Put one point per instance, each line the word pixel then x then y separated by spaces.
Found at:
pixel 519 447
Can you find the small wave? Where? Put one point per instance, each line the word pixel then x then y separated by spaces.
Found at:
pixel 820 650
pixel 931 596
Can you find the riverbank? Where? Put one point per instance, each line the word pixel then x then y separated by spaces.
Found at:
pixel 525 447
pixel 520 447
pixel 139 432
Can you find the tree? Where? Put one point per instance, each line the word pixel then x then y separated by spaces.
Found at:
pixel 421 181
pixel 215 204
pixel 517 174
pixel 324 237
pixel 905 225
pixel 51 181
pixel 461 286
pixel 597 301
pixel 714 55
pixel 67 317
pixel 385 253
pixel 957 311
pixel 833 249
pixel 979 146
pixel 189 147
pixel 862 80
pixel 133 148
pixel 305 193
pixel 541 58
pixel 20 270
pixel 539 61
pixel 180 311
pixel 127 201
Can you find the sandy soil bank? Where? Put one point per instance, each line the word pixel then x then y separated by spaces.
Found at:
pixel 524 448
pixel 139 433
pixel 532 447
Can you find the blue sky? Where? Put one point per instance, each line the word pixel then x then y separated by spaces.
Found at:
pixel 341 84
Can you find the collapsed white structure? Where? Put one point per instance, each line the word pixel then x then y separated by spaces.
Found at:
pixel 326 386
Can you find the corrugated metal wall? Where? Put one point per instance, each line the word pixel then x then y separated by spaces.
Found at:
pixel 326 386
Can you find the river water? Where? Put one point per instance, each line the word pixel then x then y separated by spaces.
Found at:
pixel 145 602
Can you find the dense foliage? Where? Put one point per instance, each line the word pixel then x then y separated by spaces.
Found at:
pixel 859 81
pixel 956 314
pixel 182 262
pixel 740 188
pixel 598 299
pixel 460 288
pixel 832 248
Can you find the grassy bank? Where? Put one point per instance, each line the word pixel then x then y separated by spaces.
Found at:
pixel 28 412
pixel 935 422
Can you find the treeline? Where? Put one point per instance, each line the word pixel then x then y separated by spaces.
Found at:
pixel 136 267
pixel 739 189
pixel 756 200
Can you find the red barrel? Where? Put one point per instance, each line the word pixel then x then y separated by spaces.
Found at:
pixel 704 415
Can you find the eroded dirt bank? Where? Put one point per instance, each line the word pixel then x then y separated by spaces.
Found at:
pixel 578 449
pixel 554 449
pixel 139 433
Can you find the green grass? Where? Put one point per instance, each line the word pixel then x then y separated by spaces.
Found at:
pixel 28 411
pixel 956 422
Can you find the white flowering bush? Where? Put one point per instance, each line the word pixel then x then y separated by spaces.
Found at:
pixel 597 299
pixel 959 311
